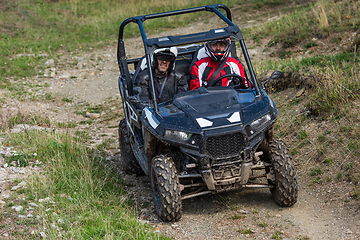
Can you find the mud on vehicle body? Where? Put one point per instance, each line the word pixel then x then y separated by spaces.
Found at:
pixel 203 141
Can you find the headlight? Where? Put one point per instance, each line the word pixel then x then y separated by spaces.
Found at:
pixel 259 122
pixel 177 135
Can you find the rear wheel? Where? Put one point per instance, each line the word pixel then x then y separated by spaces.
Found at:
pixel 165 184
pixel 128 161
pixel 286 189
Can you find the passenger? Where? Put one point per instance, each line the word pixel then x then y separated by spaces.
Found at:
pixel 203 69
pixel 167 81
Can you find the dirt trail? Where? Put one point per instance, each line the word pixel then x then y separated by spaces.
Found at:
pixel 244 214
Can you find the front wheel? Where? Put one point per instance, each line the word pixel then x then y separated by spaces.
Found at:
pixel 286 189
pixel 165 184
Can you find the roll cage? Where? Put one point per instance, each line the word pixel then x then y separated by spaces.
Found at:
pixel 153 43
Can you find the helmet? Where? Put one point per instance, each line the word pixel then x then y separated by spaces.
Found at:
pixel 217 55
pixel 167 54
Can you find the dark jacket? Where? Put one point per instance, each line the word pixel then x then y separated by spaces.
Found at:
pixel 175 83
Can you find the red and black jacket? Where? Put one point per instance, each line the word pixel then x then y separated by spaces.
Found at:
pixel 203 69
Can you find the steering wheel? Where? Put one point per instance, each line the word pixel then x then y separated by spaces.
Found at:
pixel 241 79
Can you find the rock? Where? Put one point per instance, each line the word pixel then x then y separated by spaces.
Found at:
pixel 299 93
pixel 22 184
pixel 43 55
pixel 42 234
pixel 5 186
pixel 50 62
pixel 244 212
pixel 14 188
pixel 81 65
pixel 65 74
pixel 142 221
pixel 2 203
pixel 47 199
pixel 25 55
pixel 18 208
pixel 252 52
pixel 29 215
pixel 33 205
pixel 22 127
pixel 273 18
pixel 52 72
pixel 21 216
pixel 93 115
pixel 348 231
pixel 6 196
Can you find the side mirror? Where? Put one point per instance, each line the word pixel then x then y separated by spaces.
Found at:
pixel 274 75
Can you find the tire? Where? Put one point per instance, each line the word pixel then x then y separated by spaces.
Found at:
pixel 165 184
pixel 285 192
pixel 128 162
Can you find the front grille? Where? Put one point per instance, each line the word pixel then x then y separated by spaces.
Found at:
pixel 225 145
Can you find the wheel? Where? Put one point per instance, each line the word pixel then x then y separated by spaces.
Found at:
pixel 286 190
pixel 128 161
pixel 165 184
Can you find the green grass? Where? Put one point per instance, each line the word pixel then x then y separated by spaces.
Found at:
pixel 262 224
pixel 29 119
pixel 302 134
pixel 337 79
pixel 316 171
pixel 52 27
pixel 66 124
pixel 237 216
pixel 19 160
pixel 337 76
pixel 277 235
pixel 89 201
pixel 311 21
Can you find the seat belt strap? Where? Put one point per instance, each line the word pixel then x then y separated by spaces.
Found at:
pixel 217 71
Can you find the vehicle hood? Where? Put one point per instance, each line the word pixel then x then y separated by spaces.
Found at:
pixel 219 107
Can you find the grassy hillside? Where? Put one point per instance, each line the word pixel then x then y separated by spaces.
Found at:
pixel 326 117
pixel 33 28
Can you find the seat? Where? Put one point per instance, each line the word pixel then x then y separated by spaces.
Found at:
pixel 142 65
pixel 199 54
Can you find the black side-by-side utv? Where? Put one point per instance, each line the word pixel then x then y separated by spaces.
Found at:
pixel 203 141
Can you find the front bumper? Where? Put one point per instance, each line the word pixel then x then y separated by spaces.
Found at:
pixel 227 178
pixel 225 161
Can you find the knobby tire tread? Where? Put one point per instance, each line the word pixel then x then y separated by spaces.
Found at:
pixel 167 193
pixel 285 192
pixel 128 162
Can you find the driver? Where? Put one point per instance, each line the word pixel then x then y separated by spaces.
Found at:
pixel 203 69
pixel 167 81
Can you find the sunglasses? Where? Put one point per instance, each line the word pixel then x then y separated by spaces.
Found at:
pixel 166 58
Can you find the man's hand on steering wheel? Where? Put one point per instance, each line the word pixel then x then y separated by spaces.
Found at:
pixel 237 80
